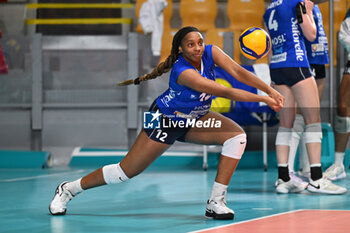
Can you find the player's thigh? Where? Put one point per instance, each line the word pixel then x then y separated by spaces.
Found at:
pixel 344 96
pixel 213 135
pixel 142 153
pixel 306 96
pixel 320 86
pixel 287 113
pixel 320 77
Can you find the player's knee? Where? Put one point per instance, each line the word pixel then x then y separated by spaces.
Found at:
pixel 284 136
pixel 342 124
pixel 113 174
pixel 234 147
pixel 313 133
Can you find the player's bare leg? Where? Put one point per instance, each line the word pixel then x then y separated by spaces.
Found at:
pixel 232 136
pixel 141 155
pixel 341 131
pixel 306 95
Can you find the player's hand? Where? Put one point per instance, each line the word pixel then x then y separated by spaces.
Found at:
pixel 277 97
pixel 309 6
pixel 273 104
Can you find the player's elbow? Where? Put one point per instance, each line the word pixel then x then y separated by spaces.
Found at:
pixel 310 33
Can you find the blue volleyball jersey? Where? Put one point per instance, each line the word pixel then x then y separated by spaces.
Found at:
pixel 178 101
pixel 317 51
pixel 288 46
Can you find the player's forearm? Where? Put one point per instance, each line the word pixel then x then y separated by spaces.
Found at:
pixel 242 95
pixel 252 80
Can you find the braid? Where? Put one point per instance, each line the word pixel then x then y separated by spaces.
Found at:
pixel 161 68
pixel 165 66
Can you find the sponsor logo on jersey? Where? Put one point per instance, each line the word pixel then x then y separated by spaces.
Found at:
pixel 299 52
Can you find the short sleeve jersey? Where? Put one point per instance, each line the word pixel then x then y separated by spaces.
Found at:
pixel 317 51
pixel 288 46
pixel 178 101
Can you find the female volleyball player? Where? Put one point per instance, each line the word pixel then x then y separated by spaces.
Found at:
pixel 288 22
pixel 342 121
pixel 186 102
pixel 317 55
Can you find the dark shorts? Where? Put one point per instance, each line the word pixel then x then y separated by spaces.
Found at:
pixel 290 75
pixel 319 71
pixel 347 68
pixel 166 133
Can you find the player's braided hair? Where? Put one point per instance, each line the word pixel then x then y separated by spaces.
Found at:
pixel 165 66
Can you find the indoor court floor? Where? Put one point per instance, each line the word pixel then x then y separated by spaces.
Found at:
pixel 166 201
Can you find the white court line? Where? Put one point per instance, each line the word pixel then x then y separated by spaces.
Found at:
pixel 262 208
pixel 40 176
pixel 122 153
pixel 250 220
pixel 77 152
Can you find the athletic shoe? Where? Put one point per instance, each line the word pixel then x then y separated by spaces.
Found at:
pixel 324 185
pixel 217 209
pixel 305 176
pixel 335 172
pixel 297 179
pixel 289 187
pixel 58 205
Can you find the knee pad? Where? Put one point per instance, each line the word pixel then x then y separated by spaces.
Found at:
pixel 313 133
pixel 113 174
pixel 234 147
pixel 284 136
pixel 298 126
pixel 342 124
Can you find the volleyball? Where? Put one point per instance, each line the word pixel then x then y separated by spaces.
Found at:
pixel 254 43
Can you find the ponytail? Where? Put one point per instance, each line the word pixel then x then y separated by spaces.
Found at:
pixel 160 69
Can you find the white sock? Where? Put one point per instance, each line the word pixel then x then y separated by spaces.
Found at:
pixel 298 129
pixel 304 163
pixel 218 190
pixel 339 158
pixel 74 187
pixel 292 151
